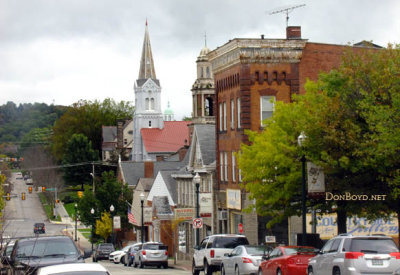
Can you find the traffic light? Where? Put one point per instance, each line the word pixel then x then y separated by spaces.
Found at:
pixel 8 196
pixel 23 196
pixel 43 188
pixel 30 189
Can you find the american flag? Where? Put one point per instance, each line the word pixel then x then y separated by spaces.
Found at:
pixel 131 218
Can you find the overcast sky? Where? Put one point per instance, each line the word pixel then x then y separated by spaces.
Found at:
pixel 61 51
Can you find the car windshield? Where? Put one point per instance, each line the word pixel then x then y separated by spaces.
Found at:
pixel 370 245
pixel 154 247
pixel 257 250
pixel 46 248
pixel 295 250
pixel 229 242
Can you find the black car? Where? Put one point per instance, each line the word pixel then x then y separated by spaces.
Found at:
pixel 103 251
pixel 39 228
pixel 29 254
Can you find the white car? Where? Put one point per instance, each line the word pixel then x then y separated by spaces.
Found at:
pixel 118 255
pixel 70 269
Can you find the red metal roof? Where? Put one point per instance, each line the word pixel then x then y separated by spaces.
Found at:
pixel 169 139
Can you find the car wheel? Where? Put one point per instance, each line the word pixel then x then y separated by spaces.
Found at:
pixel 336 271
pixel 194 270
pixel 207 268
pixel 222 270
pixel 237 270
pixel 122 261
pixel 310 271
pixel 278 272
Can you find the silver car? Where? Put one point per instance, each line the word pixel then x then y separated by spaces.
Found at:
pixel 244 259
pixel 347 254
pixel 152 253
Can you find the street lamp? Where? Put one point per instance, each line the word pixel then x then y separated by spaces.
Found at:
pixel 91 237
pixel 112 223
pixel 302 137
pixel 76 221
pixel 196 180
pixel 142 228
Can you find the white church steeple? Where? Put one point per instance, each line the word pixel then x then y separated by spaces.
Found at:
pixel 147 100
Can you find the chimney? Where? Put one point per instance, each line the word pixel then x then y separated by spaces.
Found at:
pixel 293 32
pixel 120 133
pixel 262 36
pixel 149 169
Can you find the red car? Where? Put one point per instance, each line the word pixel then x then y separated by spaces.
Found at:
pixel 285 260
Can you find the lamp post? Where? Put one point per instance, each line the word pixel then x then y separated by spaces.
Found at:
pixel 76 221
pixel 91 237
pixel 112 223
pixel 196 180
pixel 302 137
pixel 142 218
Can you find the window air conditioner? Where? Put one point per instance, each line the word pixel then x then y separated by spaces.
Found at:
pixel 223 215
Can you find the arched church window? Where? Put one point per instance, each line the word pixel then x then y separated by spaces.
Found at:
pixel 147 104
pixel 208 72
pixel 152 104
pixel 208 107
pixel 201 72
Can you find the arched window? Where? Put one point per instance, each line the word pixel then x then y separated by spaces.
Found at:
pixel 208 72
pixel 147 106
pixel 152 104
pixel 201 72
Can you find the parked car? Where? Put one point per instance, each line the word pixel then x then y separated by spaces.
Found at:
pixel 152 253
pixel 102 251
pixel 118 256
pixel 29 254
pixel 39 228
pixel 244 259
pixel 131 253
pixel 71 269
pixel 5 256
pixel 208 256
pixel 348 254
pixel 287 260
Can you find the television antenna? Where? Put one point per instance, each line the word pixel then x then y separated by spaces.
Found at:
pixel 285 9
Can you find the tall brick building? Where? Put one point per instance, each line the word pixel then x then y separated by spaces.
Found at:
pixel 249 75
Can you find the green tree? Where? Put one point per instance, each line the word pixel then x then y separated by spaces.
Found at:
pixel 87 118
pixel 77 160
pixel 351 120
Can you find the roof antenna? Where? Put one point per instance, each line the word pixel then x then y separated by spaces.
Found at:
pixel 285 9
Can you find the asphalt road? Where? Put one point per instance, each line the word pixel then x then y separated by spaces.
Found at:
pixel 20 215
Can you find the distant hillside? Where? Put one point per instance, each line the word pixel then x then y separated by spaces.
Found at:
pixel 17 121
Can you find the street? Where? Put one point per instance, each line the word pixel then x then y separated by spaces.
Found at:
pixel 121 269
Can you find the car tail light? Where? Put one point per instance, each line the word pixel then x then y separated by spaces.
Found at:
pixel 144 252
pixel 353 255
pixel 166 252
pixel 212 253
pixel 395 254
pixel 246 260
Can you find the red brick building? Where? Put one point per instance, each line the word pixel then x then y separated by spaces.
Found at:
pixel 249 75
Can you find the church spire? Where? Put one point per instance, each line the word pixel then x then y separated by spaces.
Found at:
pixel 146 62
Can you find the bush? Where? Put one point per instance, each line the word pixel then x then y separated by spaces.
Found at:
pixel 68 199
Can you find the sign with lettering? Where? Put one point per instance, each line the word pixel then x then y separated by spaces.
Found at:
pixel 316 178
pixel 206 207
pixel 186 214
pixel 327 227
pixel 117 222
pixel 148 215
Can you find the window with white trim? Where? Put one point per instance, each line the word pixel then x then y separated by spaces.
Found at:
pixel 232 114
pixel 238 114
pixel 266 107
pixel 220 117
pixel 224 116
pixel 221 167
pixel 225 166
